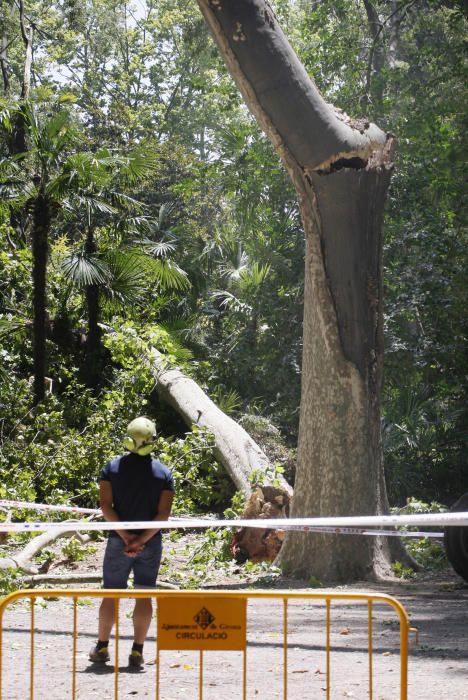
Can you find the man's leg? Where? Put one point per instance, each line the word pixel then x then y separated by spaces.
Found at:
pixel 145 571
pixel 116 569
pixel 141 619
pixel 106 618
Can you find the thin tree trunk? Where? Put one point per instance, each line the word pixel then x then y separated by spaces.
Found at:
pixel 27 34
pixel 4 63
pixel 376 60
pixel 340 169
pixel 19 145
pixel 40 236
pixel 93 343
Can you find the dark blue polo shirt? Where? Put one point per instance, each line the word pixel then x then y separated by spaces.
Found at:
pixel 137 483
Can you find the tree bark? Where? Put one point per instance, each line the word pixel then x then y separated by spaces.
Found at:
pixel 27 33
pixel 242 458
pixel 4 62
pixel 93 342
pixel 341 170
pixel 40 250
pixel 376 60
pixel 27 36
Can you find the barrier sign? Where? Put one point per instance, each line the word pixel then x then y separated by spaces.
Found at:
pixel 202 622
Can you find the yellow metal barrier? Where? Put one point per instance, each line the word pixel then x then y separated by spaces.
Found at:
pixel 213 620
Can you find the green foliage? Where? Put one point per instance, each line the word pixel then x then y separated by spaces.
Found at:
pixel 270 475
pixel 237 506
pixel 75 551
pixel 428 554
pixel 55 453
pixel 415 506
pixel 401 571
pixel 10 581
pixel 228 402
pixel 313 582
pixel 200 482
pixel 210 554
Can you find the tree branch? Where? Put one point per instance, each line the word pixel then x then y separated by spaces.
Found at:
pixel 23 558
pixel 279 92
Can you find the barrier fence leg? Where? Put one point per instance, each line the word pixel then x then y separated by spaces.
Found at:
pixel 285 648
pixel 244 697
pixel 1 650
pixel 31 661
pixel 403 660
pixel 201 674
pixel 157 647
pixel 74 648
pixel 369 642
pixel 328 646
pixel 116 669
pixel 157 674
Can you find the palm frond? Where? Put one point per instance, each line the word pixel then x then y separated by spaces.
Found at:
pixel 83 270
pixel 140 164
pixel 13 325
pixel 168 274
pixel 125 202
pixel 230 302
pixel 94 205
pixel 235 260
pixel 158 249
pixel 228 401
pixel 51 136
pixel 127 278
pixel 139 225
pixel 254 276
pixel 165 211
pixel 7 112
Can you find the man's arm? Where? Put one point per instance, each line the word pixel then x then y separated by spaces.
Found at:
pixel 164 511
pixel 107 506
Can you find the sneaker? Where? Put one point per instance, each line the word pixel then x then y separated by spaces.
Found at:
pixel 136 659
pixel 97 655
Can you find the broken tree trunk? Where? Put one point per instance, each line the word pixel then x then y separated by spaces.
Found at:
pixel 341 170
pixel 261 545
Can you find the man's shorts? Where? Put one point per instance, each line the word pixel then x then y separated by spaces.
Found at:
pixel 117 565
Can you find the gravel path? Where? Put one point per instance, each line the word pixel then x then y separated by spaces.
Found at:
pixel 438 665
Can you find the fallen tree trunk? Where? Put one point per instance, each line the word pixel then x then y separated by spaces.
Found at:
pixel 23 559
pixel 83 578
pixel 243 459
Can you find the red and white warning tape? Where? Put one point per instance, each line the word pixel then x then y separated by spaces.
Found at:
pixel 354 525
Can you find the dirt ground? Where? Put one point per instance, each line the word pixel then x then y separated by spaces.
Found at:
pixel 438 660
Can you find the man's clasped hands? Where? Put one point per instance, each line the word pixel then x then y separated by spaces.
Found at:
pixel 133 544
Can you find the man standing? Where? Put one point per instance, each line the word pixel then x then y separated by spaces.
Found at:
pixel 134 486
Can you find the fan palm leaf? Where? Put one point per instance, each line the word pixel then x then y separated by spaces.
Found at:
pixel 139 165
pixel 127 278
pixel 254 276
pixel 83 270
pixel 158 249
pixel 230 302
pixel 168 274
pixel 13 325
